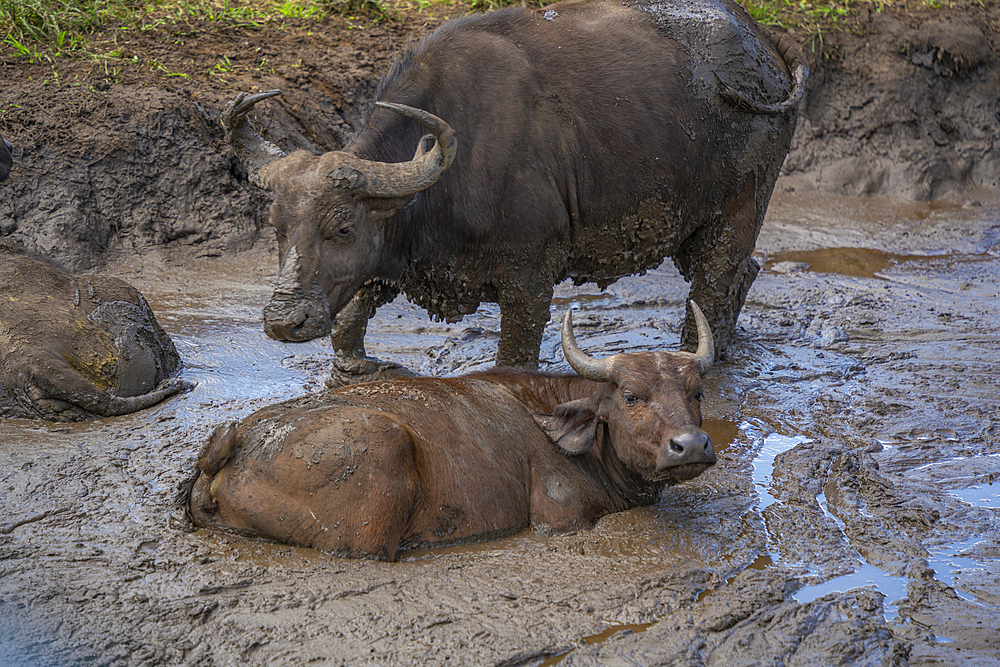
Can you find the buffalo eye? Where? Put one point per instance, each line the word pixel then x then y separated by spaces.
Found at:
pixel 342 227
pixel 698 396
pixel 631 400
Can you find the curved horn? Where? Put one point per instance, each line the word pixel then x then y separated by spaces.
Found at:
pixel 254 152
pixel 404 179
pixel 587 366
pixel 705 354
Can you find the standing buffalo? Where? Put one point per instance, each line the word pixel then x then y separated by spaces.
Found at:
pixel 77 347
pixel 586 140
pixel 367 470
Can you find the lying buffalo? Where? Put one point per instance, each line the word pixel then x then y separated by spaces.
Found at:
pixel 585 140
pixel 77 347
pixel 367 470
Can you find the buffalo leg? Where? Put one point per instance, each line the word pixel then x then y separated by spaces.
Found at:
pixel 352 365
pixel 523 316
pixel 718 261
pixel 348 336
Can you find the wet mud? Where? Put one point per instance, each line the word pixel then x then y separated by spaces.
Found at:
pixel 852 514
pixel 852 517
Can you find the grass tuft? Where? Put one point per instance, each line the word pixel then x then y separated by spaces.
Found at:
pixel 373 9
pixel 59 25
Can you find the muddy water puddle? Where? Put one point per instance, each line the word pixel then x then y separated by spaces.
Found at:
pixel 948 563
pixel 985 495
pixel 859 262
pixel 855 415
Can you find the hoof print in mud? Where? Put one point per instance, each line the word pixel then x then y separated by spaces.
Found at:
pixel 658 132
pixel 77 347
pixel 367 470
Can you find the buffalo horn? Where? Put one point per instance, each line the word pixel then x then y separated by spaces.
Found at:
pixel 404 179
pixel 600 369
pixel 254 152
pixel 705 354
pixel 587 366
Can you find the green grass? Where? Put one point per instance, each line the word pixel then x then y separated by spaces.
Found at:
pixel 47 28
pixel 58 27
pixel 822 14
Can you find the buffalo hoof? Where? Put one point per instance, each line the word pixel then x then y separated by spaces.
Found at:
pixel 356 370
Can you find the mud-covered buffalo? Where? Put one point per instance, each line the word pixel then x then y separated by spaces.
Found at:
pixel 586 140
pixel 372 469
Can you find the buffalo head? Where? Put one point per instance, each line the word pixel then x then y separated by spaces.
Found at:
pixel 328 213
pixel 649 406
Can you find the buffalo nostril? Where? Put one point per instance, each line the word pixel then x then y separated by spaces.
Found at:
pixel 692 446
pixel 686 453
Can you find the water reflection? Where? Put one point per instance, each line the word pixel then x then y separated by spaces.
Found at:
pixel 858 262
pixel 894 588
pixel 985 495
pixel 239 362
pixel 946 562
pixel 763 465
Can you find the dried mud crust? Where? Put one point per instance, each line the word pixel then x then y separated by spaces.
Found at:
pixel 118 156
pixel 904 103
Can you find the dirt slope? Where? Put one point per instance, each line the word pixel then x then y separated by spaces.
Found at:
pixel 125 155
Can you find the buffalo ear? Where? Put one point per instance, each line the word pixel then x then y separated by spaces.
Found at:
pixel 573 427
pixel 218 449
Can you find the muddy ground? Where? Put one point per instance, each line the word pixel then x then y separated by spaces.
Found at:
pixel 852 518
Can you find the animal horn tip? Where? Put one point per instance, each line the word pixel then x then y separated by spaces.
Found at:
pixel 706 343
pixel 582 363
pixel 695 308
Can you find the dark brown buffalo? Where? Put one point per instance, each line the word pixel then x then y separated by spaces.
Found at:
pixel 367 470
pixel 77 347
pixel 585 140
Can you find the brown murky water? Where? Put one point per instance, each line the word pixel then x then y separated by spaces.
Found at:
pixel 856 427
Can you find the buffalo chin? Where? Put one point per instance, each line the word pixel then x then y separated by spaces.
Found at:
pixel 682 473
pixel 286 335
pixel 310 329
